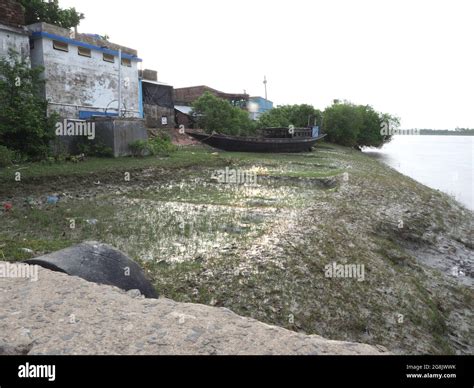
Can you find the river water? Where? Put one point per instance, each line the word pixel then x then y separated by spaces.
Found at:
pixel 445 163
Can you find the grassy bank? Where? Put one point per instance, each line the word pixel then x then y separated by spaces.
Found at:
pixel 261 250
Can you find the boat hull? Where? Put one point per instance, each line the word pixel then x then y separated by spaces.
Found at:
pixel 260 145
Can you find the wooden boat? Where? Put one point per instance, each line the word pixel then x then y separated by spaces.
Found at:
pixel 297 141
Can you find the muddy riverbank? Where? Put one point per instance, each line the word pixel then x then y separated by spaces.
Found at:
pixel 262 250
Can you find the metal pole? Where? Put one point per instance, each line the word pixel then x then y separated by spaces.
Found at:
pixel 120 84
pixel 265 83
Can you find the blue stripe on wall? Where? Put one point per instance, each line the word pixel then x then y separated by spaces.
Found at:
pixel 85 114
pixel 140 98
pixel 37 35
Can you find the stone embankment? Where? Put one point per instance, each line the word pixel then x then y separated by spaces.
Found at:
pixel 63 315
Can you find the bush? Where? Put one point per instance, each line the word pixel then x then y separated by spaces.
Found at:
pixel 24 124
pixel 96 148
pixel 139 148
pixel 342 124
pixel 50 12
pixel 161 145
pixel 357 125
pixel 6 156
pixel 214 114
pixel 299 116
pixel 157 146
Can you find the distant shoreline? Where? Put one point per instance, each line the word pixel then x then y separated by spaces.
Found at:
pixel 428 132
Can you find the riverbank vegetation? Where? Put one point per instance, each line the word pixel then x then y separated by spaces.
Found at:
pixel 215 114
pixel 345 123
pixel 50 12
pixel 25 128
pixel 261 250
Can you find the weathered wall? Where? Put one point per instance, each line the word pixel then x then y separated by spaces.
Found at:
pixel 45 27
pixel 119 133
pixel 149 75
pixel 154 114
pixel 158 103
pixel 87 38
pixel 15 39
pixel 12 33
pixel 75 83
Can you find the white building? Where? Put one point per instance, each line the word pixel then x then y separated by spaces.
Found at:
pixel 83 73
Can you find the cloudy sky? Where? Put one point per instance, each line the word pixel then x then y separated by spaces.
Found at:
pixel 412 58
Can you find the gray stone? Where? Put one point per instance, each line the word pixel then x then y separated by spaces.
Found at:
pixel 128 326
pixel 134 293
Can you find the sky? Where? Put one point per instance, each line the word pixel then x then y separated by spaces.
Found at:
pixel 413 59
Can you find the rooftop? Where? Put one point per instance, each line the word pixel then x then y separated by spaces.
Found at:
pixel 92 41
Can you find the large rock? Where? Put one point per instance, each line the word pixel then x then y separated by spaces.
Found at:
pixel 98 263
pixel 59 314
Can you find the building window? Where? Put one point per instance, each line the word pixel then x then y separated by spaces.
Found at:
pixel 109 58
pixel 126 62
pixel 84 52
pixel 61 46
pixel 32 44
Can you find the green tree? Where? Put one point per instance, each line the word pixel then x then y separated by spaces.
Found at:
pixel 376 128
pixel 214 114
pixel 286 115
pixel 342 123
pixel 24 125
pixel 50 12
pixel 389 122
pixel 358 125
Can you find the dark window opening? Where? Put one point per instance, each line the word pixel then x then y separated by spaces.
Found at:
pixel 126 62
pixel 109 58
pixel 61 46
pixel 84 52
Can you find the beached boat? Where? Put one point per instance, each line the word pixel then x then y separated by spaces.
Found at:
pixel 269 140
